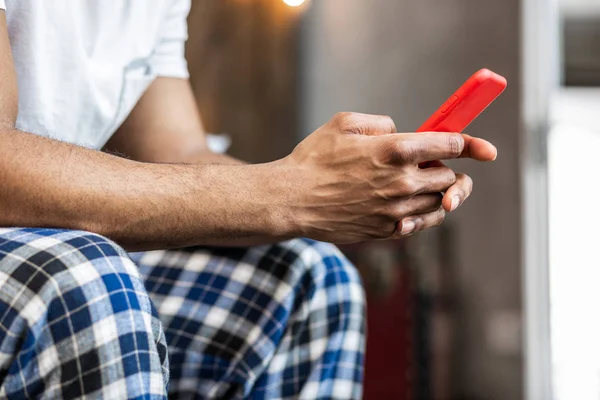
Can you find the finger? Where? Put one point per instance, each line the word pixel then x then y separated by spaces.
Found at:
pixel 434 180
pixel 410 225
pixel 456 195
pixel 478 149
pixel 421 204
pixel 415 148
pixel 364 124
pixel 419 181
pixel 475 148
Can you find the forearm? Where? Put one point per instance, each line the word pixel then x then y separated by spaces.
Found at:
pixel 208 157
pixel 141 206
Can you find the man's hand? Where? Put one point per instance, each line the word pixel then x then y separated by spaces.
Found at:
pixel 339 179
pixel 355 178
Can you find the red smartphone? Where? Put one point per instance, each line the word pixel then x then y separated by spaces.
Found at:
pixel 473 97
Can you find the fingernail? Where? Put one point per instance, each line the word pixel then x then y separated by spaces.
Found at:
pixel 408 227
pixel 455 203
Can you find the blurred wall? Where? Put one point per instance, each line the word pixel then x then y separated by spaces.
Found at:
pixel 242 57
pixel 404 58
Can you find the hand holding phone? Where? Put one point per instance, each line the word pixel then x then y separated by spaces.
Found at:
pixel 470 100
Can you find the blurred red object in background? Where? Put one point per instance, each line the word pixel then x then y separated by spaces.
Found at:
pixel 388 284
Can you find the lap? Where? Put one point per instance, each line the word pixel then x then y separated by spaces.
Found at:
pixel 280 321
pixel 259 320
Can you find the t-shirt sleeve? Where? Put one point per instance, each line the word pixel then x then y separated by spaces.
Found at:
pixel 2 5
pixel 168 58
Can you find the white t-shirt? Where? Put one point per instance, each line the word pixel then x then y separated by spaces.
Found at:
pixel 82 65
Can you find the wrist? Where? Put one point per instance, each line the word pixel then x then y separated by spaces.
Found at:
pixel 280 183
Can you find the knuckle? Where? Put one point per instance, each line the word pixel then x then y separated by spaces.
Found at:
pixel 398 213
pixel 440 217
pixel 387 154
pixel 470 183
pixel 406 151
pixel 466 184
pixel 449 177
pixel 420 224
pixel 410 186
pixel 389 122
pixel 345 120
pixel 339 118
pixel 387 214
pixel 455 145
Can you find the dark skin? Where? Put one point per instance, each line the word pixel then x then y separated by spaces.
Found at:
pixel 351 180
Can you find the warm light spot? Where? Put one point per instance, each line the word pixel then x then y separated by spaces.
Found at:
pixel 294 3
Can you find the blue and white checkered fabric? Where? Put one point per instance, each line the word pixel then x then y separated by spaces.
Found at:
pixel 79 317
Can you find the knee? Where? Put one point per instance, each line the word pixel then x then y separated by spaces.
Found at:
pixel 78 292
pixel 73 268
pixel 70 280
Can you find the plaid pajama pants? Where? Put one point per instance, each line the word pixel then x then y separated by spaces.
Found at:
pixel 81 318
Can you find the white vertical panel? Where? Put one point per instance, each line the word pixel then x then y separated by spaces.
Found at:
pixel 574 251
pixel 540 29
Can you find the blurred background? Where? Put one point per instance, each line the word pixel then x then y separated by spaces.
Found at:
pixel 502 301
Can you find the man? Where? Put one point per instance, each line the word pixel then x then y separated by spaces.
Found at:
pixel 81 317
